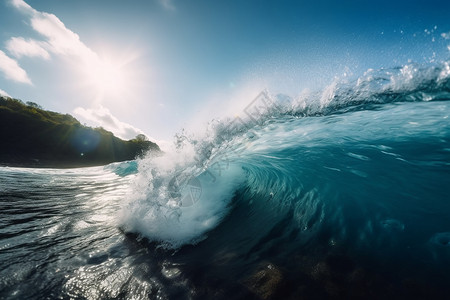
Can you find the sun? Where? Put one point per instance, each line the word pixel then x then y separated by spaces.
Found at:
pixel 106 77
pixel 111 78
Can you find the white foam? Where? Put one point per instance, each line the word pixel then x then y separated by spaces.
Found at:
pixel 156 213
pixel 175 219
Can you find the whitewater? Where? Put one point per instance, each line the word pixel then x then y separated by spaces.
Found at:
pixel 338 194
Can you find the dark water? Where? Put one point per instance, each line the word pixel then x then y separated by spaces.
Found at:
pixel 342 196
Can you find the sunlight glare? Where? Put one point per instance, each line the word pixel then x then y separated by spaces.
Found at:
pixel 106 77
pixel 109 77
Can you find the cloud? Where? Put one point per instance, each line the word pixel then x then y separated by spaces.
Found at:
pixel 3 93
pixel 59 39
pixel 101 116
pixel 20 4
pixel 11 69
pixel 19 47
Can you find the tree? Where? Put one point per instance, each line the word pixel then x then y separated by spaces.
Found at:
pixel 141 138
pixel 33 104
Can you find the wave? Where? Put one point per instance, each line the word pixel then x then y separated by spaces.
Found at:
pixel 297 169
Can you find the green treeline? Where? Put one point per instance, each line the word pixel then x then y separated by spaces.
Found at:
pixel 31 136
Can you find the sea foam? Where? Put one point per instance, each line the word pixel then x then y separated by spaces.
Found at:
pixel 175 202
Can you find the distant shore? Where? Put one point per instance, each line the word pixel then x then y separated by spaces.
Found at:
pixel 36 138
pixel 49 165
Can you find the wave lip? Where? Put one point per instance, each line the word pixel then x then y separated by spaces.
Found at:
pixel 348 129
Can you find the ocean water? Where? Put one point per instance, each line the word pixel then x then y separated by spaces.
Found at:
pixel 340 194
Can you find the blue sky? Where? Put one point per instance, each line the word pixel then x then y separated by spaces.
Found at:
pixel 156 66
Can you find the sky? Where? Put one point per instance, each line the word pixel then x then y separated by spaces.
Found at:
pixel 157 66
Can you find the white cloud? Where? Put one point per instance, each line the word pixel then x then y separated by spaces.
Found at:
pixel 59 39
pixel 11 69
pixel 101 116
pixel 19 47
pixel 20 4
pixel 3 93
pixel 445 35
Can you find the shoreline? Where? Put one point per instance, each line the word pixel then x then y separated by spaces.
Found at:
pixel 53 165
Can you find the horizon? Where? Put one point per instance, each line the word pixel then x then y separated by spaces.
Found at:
pixel 156 67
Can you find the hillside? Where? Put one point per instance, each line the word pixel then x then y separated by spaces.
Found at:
pixel 33 137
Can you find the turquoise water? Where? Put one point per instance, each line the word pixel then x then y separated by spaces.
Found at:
pixel 341 194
